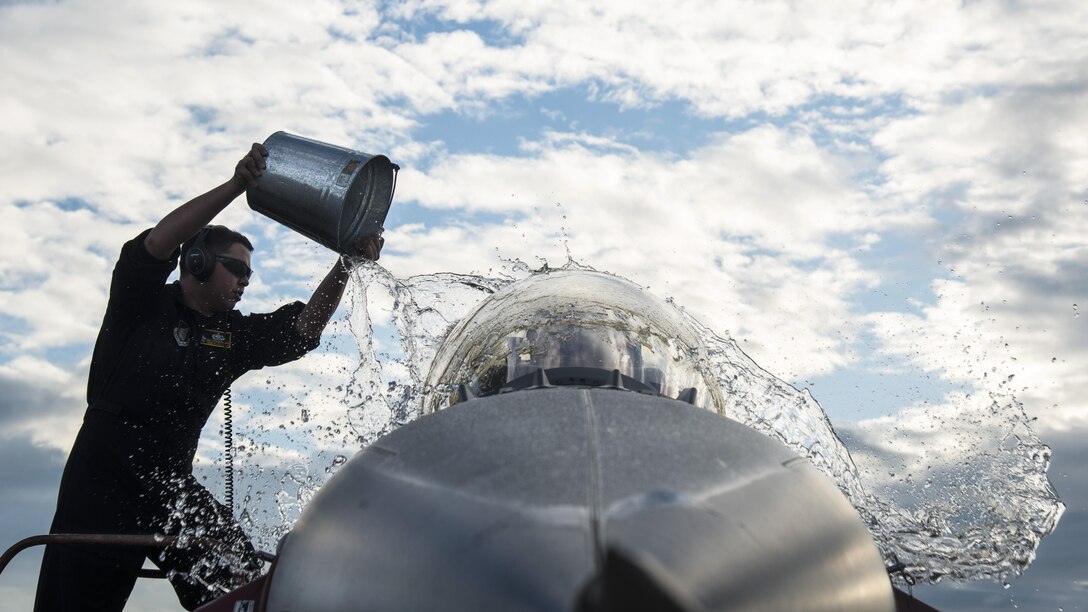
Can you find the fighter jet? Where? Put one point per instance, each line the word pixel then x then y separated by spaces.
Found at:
pixel 573 456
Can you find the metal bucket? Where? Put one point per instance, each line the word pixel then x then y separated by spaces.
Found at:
pixel 328 193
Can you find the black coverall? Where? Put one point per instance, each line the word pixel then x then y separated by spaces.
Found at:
pixel 157 372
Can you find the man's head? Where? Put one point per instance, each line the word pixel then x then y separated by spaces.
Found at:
pixel 215 269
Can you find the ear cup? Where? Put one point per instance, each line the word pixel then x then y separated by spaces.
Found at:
pixel 198 260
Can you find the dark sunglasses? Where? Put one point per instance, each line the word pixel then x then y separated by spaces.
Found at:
pixel 236 267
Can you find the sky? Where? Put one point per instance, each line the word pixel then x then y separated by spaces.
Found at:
pixel 882 202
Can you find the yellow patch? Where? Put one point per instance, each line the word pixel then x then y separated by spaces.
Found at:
pixel 215 338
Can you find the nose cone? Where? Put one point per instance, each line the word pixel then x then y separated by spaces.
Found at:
pixel 571 500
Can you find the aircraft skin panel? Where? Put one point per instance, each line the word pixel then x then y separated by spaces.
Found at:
pixel 517 501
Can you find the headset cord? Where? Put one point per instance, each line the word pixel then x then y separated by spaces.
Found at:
pixel 228 444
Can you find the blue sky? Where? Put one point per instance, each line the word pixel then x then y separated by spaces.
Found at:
pixel 883 203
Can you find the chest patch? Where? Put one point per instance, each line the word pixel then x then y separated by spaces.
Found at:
pixel 181 333
pixel 215 338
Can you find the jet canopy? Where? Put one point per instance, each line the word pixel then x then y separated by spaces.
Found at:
pixel 572 319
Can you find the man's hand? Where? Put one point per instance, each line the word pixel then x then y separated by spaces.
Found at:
pixel 369 246
pixel 185 221
pixel 249 167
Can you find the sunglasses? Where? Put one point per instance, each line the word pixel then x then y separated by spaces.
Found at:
pixel 236 267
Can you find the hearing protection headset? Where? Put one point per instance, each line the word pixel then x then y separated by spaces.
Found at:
pixel 199 260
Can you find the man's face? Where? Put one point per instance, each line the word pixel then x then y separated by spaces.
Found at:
pixel 224 288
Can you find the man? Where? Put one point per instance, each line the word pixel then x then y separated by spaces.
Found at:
pixel 164 356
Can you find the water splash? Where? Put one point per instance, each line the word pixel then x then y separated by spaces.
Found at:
pixel 978 510
pixel 958 492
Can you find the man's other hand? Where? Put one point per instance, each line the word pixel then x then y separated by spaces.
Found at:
pixel 369 247
pixel 250 167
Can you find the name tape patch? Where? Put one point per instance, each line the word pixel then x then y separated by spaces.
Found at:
pixel 215 338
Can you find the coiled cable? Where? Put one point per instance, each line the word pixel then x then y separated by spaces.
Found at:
pixel 228 446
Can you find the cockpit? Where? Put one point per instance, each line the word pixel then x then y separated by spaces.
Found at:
pixel 569 322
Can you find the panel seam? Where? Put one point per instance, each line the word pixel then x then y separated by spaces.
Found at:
pixel 593 479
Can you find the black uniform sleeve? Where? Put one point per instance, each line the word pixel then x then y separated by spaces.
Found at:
pixel 138 281
pixel 272 339
pixel 137 278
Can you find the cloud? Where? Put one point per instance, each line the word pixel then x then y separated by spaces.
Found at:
pixel 29 477
pixel 737 59
pixel 41 402
pixel 1025 344
pixel 1003 155
pixel 103 97
pixel 30 474
pixel 55 265
pixel 1011 184
pixel 767 206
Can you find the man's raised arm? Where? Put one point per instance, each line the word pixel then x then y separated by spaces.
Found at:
pixel 186 220
pixel 323 303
